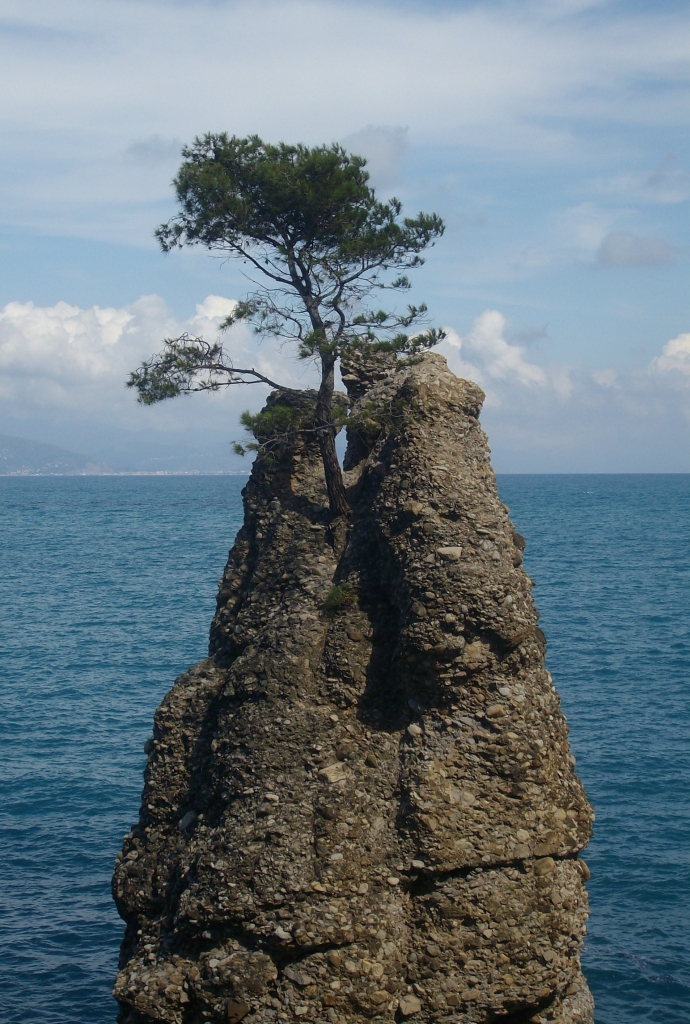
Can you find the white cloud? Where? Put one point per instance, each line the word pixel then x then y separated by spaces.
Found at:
pixel 551 418
pixel 214 308
pixel 675 357
pixel 62 373
pixel 53 352
pixel 494 357
pixel 624 249
pixel 74 362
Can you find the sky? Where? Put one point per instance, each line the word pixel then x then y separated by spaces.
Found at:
pixel 550 135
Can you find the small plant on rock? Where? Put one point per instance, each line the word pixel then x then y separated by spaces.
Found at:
pixel 341 596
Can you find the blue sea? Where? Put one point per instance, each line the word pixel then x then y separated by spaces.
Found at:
pixel 107 589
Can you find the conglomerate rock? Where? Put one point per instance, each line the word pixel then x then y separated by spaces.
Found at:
pixel 362 805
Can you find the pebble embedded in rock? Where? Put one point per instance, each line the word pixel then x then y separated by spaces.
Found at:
pixel 186 820
pixel 235 1011
pixel 335 772
pixel 451 554
pixel 410 1005
pixel 584 869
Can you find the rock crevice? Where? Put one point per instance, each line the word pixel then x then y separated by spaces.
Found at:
pixel 362 805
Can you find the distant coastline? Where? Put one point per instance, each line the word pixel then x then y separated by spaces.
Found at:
pixel 127 472
pixel 21 457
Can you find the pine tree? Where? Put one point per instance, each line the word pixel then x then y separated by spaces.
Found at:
pixel 310 226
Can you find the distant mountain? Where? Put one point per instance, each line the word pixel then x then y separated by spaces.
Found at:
pixel 21 457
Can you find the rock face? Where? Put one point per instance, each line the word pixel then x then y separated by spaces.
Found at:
pixel 362 805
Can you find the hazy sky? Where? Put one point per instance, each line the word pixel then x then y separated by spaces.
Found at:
pixel 552 136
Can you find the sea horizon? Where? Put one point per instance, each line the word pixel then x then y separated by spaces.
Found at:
pixel 246 473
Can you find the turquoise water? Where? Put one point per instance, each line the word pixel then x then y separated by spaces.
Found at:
pixel 611 559
pixel 107 589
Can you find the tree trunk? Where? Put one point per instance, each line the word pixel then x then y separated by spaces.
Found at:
pixel 337 499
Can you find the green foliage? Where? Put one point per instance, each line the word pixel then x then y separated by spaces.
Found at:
pixel 341 596
pixel 375 418
pixel 308 221
pixel 277 426
pixel 173 371
pixel 189 364
pixel 274 428
pixel 273 422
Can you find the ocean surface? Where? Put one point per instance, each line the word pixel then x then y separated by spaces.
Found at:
pixel 107 588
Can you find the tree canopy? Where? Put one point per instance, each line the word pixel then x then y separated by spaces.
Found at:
pixel 319 245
